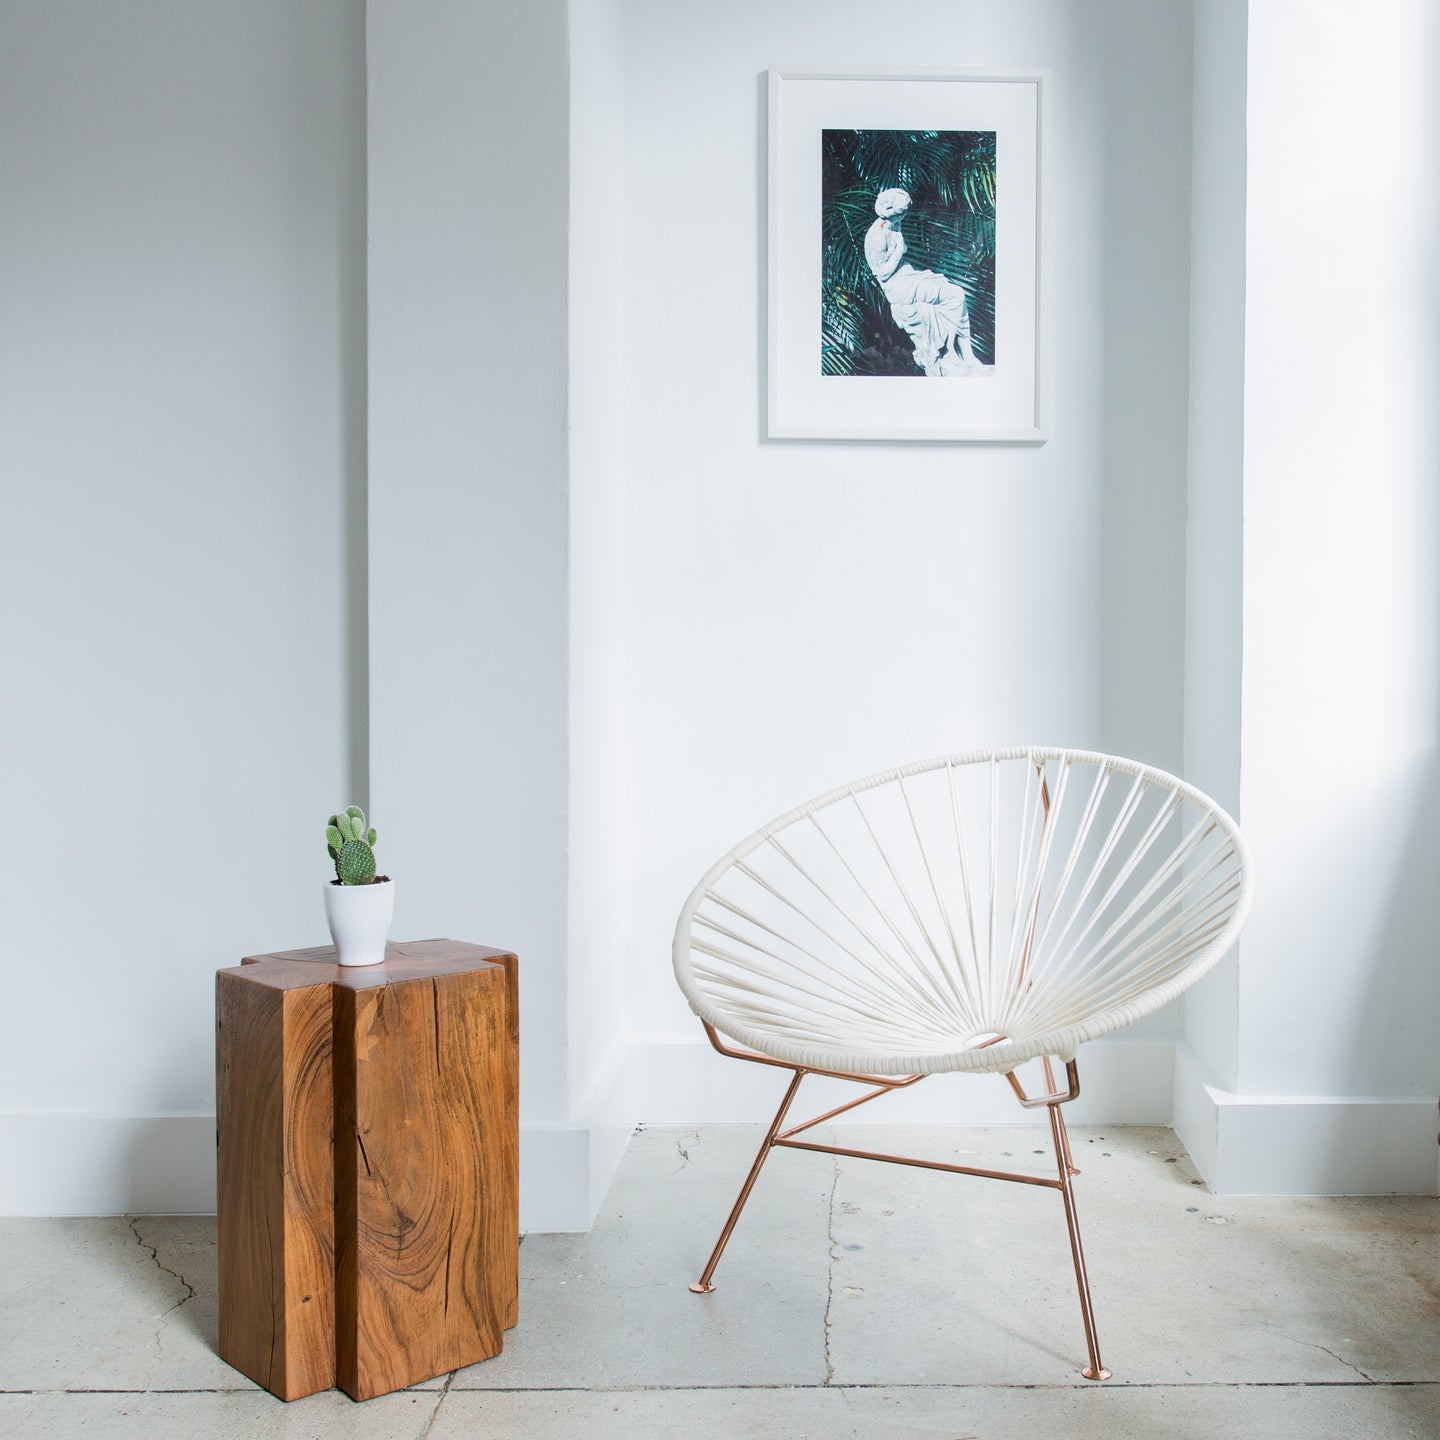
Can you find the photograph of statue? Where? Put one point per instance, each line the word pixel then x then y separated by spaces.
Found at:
pixel 908 253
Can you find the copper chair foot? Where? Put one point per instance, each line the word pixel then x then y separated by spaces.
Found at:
pixel 1088 1373
pixel 700 1289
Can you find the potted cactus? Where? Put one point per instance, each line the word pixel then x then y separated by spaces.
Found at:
pixel 358 903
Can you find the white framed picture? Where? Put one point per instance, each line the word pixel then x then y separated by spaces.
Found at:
pixel 906 226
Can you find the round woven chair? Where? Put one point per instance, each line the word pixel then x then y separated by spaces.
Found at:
pixel 967 913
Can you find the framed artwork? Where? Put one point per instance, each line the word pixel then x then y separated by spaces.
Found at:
pixel 905 255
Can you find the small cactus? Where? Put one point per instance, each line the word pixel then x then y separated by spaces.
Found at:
pixel 351 847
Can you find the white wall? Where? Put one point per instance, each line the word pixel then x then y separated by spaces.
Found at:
pixel 1342 550
pixel 800 613
pixel 468 202
pixel 1336 1070
pixel 181 411
pixel 599 1089
pixel 1214 527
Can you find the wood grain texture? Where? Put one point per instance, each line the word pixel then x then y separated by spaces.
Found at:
pixel 509 1257
pixel 275 1231
pixel 422 1190
pixel 369 1119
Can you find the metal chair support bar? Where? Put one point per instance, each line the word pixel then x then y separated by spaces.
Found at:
pixel 776 1138
pixel 921 1164
pixel 1056 1097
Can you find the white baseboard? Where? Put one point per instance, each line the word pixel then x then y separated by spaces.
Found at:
pixel 1122 1082
pixel 554 1178
pixel 1196 1116
pixel 609 1115
pixel 1260 1145
pixel 107 1164
pixel 165 1165
pixel 565 1170
pixel 1304 1144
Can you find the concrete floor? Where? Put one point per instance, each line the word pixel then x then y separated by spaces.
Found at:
pixel 856 1302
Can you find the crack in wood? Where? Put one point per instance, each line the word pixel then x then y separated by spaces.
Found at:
pixel 449 1247
pixel 435 1002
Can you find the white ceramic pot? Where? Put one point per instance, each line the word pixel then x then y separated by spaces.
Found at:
pixel 359 917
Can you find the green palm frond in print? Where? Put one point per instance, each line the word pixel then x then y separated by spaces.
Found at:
pixel 948 229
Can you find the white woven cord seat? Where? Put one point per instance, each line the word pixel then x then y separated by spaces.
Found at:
pixel 967 913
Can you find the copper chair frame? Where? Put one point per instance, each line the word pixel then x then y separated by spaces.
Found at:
pixel 1051 1101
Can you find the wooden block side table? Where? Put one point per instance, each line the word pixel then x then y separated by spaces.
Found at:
pixel 368 1159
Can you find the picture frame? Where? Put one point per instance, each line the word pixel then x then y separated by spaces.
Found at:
pixel 906 255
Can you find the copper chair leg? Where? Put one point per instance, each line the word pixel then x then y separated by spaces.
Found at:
pixel 1051 1101
pixel 1096 1370
pixel 703 1286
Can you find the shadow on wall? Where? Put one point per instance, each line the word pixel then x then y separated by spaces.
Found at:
pixel 165 1165
pixel 1142 345
pixel 1394 1035
pixel 163 1162
pixel 1396 1020
pixel 1140 314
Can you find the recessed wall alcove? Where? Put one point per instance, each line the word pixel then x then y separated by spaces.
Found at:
pixel 385 422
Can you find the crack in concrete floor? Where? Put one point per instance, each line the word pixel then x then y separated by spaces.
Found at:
pixel 133 1221
pixel 435 1413
pixel 830 1272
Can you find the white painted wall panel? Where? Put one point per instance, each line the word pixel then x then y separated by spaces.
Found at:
pixel 181 433
pixel 800 613
pixel 1340 988
pixel 468 203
